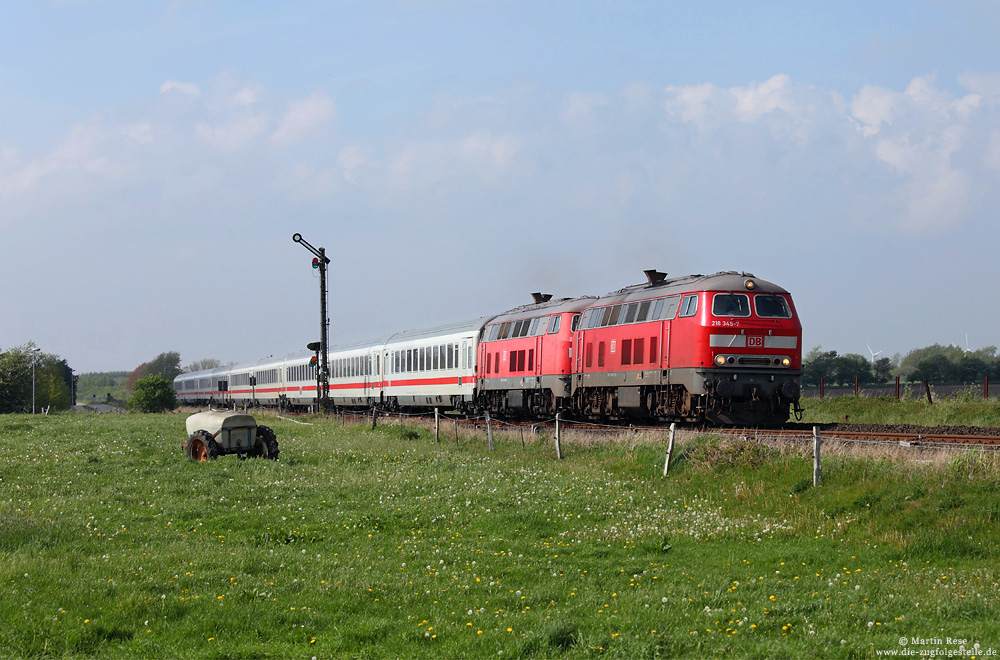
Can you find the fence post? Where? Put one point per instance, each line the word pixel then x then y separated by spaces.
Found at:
pixel 670 448
pixel 855 386
pixel 821 388
pixel 374 417
pixel 437 426
pixel 927 388
pixel 986 387
pixel 456 432
pixel 558 440
pixel 489 430
pixel 817 469
pixel 897 388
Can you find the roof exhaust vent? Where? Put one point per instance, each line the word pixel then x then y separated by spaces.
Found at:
pixel 655 277
pixel 541 297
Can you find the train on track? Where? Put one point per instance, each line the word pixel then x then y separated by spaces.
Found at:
pixel 722 349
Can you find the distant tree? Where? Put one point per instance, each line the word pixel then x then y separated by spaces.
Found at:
pixel 202 365
pixel 51 379
pixel 853 367
pixel 153 394
pixel 15 379
pixel 882 370
pixel 134 377
pixel 166 364
pixel 818 364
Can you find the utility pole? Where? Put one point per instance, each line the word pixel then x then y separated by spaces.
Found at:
pixel 320 262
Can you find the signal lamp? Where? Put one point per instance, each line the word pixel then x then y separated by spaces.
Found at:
pixel 315 262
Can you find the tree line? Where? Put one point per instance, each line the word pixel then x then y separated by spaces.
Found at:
pixel 940 365
pixel 28 375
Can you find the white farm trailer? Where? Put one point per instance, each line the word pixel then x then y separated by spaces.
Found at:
pixel 217 433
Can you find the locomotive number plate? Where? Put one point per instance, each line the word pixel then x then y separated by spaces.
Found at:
pixel 755 342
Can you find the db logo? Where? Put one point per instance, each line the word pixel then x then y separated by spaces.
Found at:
pixel 755 342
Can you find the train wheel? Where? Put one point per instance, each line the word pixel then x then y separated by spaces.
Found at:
pixel 266 445
pixel 202 447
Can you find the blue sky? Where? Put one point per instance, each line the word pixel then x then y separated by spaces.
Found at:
pixel 156 157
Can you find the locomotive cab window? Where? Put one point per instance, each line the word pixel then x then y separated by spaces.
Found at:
pixel 554 323
pixel 771 306
pixel 689 305
pixel 731 304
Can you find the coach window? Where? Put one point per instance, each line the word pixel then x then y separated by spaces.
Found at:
pixel 731 304
pixel 554 324
pixel 771 306
pixel 689 305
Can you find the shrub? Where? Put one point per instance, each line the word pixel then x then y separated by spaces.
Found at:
pixel 153 394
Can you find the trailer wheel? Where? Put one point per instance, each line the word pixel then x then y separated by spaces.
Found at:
pixel 202 447
pixel 266 445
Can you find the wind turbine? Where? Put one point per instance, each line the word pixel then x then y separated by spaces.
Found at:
pixel 874 353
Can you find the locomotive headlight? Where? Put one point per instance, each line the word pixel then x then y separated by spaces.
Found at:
pixel 720 360
pixel 786 362
pixel 750 285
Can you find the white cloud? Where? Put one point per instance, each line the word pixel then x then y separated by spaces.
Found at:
pixel 350 159
pixel 233 134
pixel 303 118
pixel 183 88
pixel 773 94
pixel 580 109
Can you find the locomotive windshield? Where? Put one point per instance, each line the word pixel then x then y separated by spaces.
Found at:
pixel 771 306
pixel 731 304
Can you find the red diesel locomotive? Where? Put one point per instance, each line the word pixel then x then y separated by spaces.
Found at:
pixel 723 348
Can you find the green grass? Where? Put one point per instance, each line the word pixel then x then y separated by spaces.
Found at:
pixel 965 409
pixel 386 544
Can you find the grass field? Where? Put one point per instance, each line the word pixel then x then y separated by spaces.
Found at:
pixel 361 543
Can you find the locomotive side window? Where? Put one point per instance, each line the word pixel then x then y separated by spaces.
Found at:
pixel 630 312
pixel 643 312
pixel 771 306
pixel 689 305
pixel 653 352
pixel 626 352
pixel 638 350
pixel 554 323
pixel 669 307
pixel 600 354
pixel 731 304
pixel 615 315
